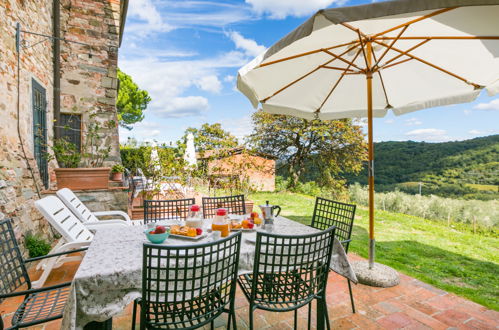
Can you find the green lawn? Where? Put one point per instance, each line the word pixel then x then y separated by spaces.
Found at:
pixel 454 261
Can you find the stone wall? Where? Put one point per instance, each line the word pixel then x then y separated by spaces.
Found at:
pixel 18 191
pixel 88 74
pixel 88 87
pixel 115 199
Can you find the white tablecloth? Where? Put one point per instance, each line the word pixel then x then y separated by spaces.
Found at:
pixel 110 275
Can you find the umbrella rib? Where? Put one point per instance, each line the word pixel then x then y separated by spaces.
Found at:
pixel 438 12
pixel 391 45
pixel 337 82
pixel 397 63
pixel 442 38
pixel 404 53
pixel 306 75
pixel 306 53
pixel 382 82
pixel 432 65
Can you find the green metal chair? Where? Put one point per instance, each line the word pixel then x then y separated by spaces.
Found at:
pixel 188 286
pixel 289 272
pixel 39 305
pixel 234 204
pixel 329 213
pixel 173 209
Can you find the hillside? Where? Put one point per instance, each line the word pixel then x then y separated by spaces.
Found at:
pixel 467 168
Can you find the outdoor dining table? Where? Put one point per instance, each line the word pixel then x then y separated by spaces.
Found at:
pixel 110 275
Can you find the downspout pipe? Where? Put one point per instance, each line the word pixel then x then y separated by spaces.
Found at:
pixel 56 23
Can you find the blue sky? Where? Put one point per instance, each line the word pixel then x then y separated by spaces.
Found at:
pixel 186 54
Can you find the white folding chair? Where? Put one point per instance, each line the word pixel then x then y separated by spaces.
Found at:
pixel 74 234
pixel 89 218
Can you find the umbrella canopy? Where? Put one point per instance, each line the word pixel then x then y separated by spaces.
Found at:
pixel 363 61
pixel 190 151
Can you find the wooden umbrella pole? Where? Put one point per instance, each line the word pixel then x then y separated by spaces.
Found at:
pixel 369 80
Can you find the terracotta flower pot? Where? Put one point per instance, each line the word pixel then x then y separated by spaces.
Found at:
pixel 82 178
pixel 117 176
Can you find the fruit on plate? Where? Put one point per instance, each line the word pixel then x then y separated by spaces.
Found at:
pixel 257 221
pixel 234 225
pixel 158 230
pixel 254 215
pixel 247 224
pixel 199 231
pixel 183 231
pixel 195 208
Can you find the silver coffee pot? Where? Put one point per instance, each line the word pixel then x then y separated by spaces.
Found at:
pixel 268 212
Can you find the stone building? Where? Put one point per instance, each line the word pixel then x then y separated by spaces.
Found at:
pixel 30 100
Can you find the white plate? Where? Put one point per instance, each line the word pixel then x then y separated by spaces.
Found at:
pixel 195 238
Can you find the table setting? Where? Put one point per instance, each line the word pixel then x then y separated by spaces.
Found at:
pixel 110 275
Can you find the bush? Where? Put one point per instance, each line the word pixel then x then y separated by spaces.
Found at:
pixel 36 246
pixel 483 213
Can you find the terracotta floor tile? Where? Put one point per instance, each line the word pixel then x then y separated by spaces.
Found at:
pixel 452 317
pixel 395 321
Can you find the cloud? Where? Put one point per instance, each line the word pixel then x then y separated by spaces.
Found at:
pixel 145 18
pixel 467 112
pixel 229 78
pixel 490 106
pixel 183 107
pixel 249 46
pixel 144 129
pixel 210 84
pixel 413 122
pixel 389 121
pixel 239 127
pixel 476 132
pixel 279 9
pixel 168 81
pixel 428 134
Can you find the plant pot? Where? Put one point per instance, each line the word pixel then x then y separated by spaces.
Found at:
pixel 248 205
pixel 117 176
pixel 82 178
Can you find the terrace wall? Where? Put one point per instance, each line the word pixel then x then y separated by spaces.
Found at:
pixel 88 87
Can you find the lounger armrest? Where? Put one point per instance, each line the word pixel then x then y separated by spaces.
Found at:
pixel 109 213
pixel 25 292
pixel 55 254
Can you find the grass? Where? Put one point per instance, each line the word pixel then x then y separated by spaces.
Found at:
pixel 451 260
pixel 484 187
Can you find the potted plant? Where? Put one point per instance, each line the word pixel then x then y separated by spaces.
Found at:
pixel 82 169
pixel 117 172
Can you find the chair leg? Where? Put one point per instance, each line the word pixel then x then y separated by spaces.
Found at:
pixel 134 315
pixel 251 318
pixel 296 319
pixel 212 325
pixel 309 324
pixel 351 295
pixel 326 315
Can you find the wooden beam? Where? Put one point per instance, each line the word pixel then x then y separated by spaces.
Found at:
pixel 342 59
pixel 397 63
pixel 435 13
pixel 441 38
pixel 403 53
pixel 307 53
pixel 391 45
pixel 431 64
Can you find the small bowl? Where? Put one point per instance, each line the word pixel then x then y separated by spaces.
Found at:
pixel 156 238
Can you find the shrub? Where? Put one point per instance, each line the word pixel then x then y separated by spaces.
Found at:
pixel 36 246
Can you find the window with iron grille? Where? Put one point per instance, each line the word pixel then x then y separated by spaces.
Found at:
pixel 70 128
pixel 40 130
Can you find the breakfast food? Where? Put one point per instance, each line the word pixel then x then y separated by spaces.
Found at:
pixel 256 218
pixel 234 225
pixel 247 224
pixel 184 231
pixel 158 230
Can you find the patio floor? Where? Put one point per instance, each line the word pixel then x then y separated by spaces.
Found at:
pixel 410 305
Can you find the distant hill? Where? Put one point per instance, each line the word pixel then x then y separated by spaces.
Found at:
pixel 467 168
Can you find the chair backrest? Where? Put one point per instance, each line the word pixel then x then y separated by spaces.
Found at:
pixel 166 209
pixel 233 204
pixel 63 220
pixel 188 286
pixel 13 272
pixel 290 271
pixel 68 197
pixel 329 213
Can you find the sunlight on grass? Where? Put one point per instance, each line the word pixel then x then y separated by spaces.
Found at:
pixel 452 260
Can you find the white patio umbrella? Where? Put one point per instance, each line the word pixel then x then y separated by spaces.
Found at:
pixel 363 61
pixel 155 157
pixel 190 151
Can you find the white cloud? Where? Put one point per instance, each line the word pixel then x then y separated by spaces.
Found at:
pixel 144 129
pixel 467 112
pixel 280 9
pixel 210 84
pixel 413 122
pixel 167 81
pixel 389 121
pixel 239 127
pixel 145 18
pixel 249 46
pixel 476 132
pixel 428 134
pixel 491 106
pixel 229 78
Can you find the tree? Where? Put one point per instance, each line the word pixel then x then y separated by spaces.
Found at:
pixel 211 137
pixel 333 147
pixel 131 102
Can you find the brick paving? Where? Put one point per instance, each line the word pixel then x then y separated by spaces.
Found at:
pixel 410 305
